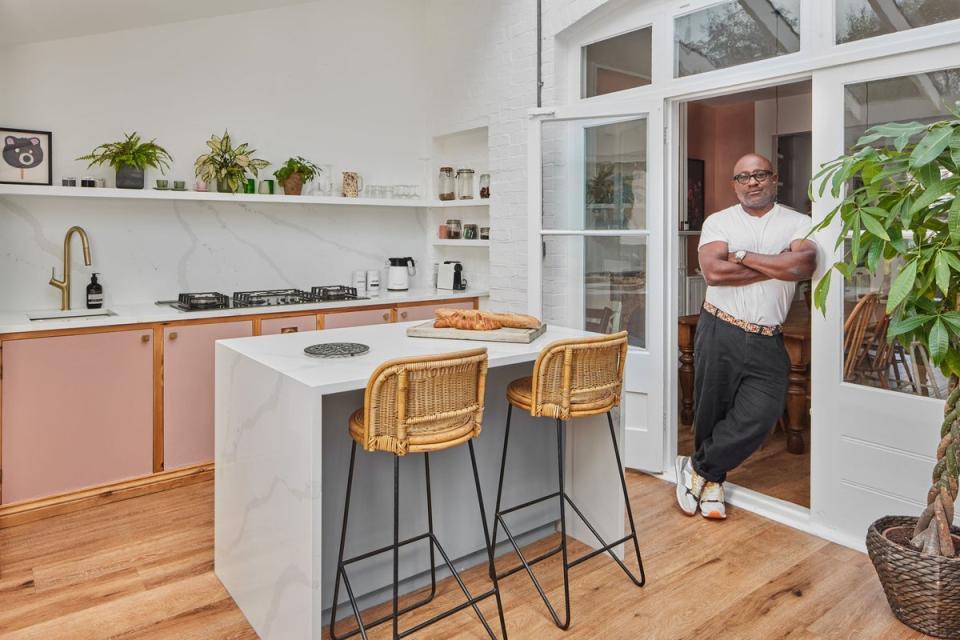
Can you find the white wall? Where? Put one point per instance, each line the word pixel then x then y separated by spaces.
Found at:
pixel 340 83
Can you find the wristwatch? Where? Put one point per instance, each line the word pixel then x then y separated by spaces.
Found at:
pixel 739 256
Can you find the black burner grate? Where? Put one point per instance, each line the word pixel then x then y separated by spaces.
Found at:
pixel 335 292
pixel 202 301
pixel 270 297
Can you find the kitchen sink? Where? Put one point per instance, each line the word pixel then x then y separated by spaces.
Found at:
pixel 68 315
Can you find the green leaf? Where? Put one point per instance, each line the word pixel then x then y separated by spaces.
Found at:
pixel 951 364
pixel 874 255
pixel 844 269
pixel 950 256
pixel 931 146
pixel 929 196
pixel 953 219
pixel 820 293
pixel 891 129
pixel 955 147
pixel 939 342
pixel 874 226
pixel 906 325
pixel 952 318
pixel 902 141
pixel 902 285
pixel 943 272
pixel 877 212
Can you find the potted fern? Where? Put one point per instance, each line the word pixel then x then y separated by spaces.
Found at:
pixel 227 165
pixel 294 173
pixel 898 189
pixel 130 158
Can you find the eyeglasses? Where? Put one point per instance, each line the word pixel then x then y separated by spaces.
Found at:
pixel 759 176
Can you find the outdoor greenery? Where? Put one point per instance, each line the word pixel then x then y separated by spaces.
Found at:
pixel 899 187
pixel 130 152
pixel 226 164
pixel 307 170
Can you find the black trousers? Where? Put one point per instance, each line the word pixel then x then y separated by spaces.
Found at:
pixel 739 391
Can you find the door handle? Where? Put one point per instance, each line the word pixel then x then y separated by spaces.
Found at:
pixel 403 314
pixel 144 338
pixel 386 316
pixel 173 335
pixel 289 330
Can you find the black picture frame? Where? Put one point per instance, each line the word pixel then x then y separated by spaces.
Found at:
pixel 696 193
pixel 16 151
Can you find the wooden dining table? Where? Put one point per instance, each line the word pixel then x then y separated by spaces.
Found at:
pixel 796 339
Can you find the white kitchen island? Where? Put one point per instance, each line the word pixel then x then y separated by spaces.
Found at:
pixel 282 449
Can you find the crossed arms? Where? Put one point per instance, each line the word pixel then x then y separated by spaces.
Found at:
pixel 719 267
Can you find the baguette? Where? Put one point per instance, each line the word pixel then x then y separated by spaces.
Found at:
pixel 473 320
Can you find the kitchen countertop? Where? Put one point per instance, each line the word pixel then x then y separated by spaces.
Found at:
pixel 18 322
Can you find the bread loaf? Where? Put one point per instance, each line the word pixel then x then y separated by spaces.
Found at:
pixel 473 320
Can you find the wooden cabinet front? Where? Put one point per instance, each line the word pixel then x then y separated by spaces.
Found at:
pixel 188 369
pixel 77 412
pixel 357 318
pixel 297 324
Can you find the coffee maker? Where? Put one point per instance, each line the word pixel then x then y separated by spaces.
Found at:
pixel 450 276
pixel 399 272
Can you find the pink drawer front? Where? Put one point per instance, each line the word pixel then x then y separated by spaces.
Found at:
pixel 77 412
pixel 271 326
pixel 425 312
pixel 356 318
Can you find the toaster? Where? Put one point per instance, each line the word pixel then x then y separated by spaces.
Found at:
pixel 450 276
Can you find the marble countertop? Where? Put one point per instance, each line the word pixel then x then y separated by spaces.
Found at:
pixel 17 321
pixel 284 353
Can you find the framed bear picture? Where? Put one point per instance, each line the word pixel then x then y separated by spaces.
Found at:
pixel 25 156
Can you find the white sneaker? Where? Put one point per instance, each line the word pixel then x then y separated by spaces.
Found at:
pixel 711 501
pixel 689 486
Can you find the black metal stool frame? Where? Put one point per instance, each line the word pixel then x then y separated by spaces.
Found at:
pixel 342 563
pixel 562 549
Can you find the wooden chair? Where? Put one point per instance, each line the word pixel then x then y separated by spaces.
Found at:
pixel 856 337
pixel 418 405
pixel 571 379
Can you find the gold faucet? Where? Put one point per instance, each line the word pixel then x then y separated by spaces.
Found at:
pixel 64 285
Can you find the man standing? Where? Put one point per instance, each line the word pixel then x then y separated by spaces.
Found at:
pixel 751 255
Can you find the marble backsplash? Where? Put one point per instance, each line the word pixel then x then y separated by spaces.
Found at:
pixel 151 250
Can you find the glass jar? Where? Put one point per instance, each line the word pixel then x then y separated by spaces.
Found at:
pixel 484 186
pixel 465 184
pixel 484 233
pixel 470 232
pixel 453 229
pixel 445 184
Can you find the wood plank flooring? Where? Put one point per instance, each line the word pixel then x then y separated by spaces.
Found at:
pixel 143 568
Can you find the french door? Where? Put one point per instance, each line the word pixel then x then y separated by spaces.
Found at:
pixel 596 246
pixel 874 437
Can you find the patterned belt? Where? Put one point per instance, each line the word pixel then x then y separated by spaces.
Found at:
pixel 749 327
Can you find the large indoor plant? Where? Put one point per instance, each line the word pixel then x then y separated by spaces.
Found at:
pixel 294 173
pixel 130 158
pixel 897 191
pixel 226 164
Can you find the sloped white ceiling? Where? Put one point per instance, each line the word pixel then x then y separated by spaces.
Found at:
pixel 24 21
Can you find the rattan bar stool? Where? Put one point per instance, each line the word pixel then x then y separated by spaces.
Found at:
pixel 418 405
pixel 571 379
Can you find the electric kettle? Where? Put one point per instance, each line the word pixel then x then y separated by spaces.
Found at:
pixel 399 272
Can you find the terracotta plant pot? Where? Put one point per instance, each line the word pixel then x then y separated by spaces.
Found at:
pixel 923 591
pixel 293 185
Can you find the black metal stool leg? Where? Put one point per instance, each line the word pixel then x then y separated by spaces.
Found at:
pixel 340 569
pixel 486 537
pixel 503 466
pixel 433 564
pixel 626 498
pixel 396 547
pixel 563 528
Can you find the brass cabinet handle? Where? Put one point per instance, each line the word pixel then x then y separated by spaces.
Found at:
pixel 289 330
pixel 403 314
pixel 144 338
pixel 173 335
pixel 386 316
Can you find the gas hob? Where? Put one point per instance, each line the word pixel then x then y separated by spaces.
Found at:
pixel 212 300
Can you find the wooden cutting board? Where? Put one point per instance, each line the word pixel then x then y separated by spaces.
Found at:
pixel 522 336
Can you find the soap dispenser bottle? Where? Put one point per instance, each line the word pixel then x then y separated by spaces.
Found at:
pixel 94 293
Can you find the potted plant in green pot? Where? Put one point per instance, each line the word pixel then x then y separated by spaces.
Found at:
pixel 227 165
pixel 898 200
pixel 130 158
pixel 294 173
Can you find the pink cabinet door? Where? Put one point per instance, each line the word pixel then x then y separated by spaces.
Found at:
pixel 188 389
pixel 77 412
pixel 356 318
pixel 270 326
pixel 425 311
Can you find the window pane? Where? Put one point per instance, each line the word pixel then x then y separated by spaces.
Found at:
pixel 868 359
pixel 596 283
pixel 594 177
pixel 735 33
pixel 859 19
pixel 616 64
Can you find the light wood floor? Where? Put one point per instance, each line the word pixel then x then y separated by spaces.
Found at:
pixel 143 568
pixel 772 470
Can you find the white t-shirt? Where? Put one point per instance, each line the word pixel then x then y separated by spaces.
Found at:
pixel 767 302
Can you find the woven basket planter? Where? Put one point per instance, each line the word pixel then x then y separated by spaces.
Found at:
pixel 923 591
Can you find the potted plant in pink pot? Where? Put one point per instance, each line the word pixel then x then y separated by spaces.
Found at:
pixel 898 189
pixel 294 173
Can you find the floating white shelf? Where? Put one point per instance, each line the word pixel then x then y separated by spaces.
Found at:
pixel 461 243
pixel 210 196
